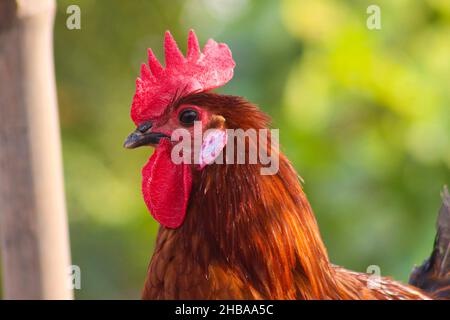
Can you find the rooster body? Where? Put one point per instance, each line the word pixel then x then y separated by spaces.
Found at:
pixel 228 232
pixel 248 236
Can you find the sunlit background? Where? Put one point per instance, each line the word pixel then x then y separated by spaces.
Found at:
pixel 363 115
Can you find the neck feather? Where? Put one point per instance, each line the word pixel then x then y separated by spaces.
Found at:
pixel 260 225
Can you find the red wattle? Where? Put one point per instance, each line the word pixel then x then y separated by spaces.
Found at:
pixel 166 187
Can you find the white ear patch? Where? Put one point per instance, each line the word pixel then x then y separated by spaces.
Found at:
pixel 213 143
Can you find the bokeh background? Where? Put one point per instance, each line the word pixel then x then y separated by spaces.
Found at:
pixel 363 115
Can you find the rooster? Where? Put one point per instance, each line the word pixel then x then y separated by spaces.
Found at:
pixel 226 230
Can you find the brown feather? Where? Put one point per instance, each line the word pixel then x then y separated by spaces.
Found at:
pixel 250 236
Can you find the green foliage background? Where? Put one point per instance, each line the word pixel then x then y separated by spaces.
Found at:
pixel 363 115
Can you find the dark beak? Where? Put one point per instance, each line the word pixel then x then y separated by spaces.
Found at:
pixel 138 139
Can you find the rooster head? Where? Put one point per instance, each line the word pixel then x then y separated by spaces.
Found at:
pixel 158 110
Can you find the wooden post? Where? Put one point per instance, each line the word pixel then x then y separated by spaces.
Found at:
pixel 34 240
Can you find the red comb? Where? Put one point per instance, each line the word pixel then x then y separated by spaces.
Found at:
pixel 198 71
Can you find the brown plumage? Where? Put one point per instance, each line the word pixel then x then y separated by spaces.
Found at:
pixel 434 274
pixel 250 236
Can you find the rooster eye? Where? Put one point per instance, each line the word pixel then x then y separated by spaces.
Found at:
pixel 187 117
